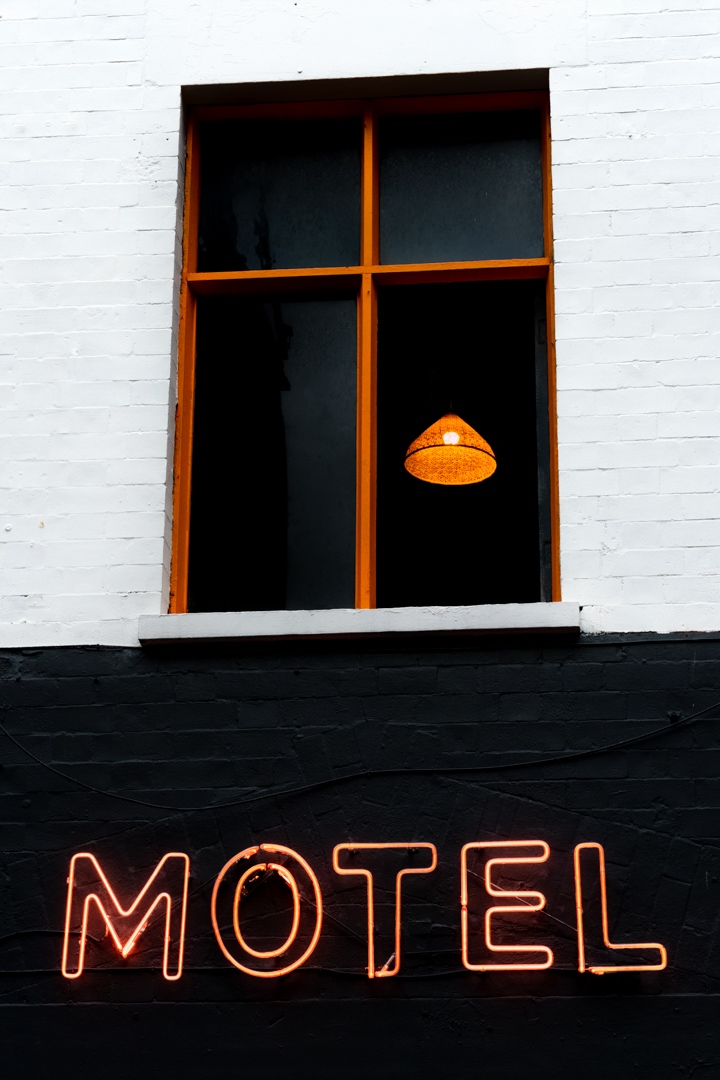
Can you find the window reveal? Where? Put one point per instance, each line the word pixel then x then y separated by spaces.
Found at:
pixel 306 372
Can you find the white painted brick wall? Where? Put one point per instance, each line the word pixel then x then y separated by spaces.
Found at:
pixel 89 162
pixel 90 175
pixel 636 148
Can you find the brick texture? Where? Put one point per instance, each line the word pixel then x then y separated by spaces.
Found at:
pixel 199 728
pixel 90 166
pixel 636 140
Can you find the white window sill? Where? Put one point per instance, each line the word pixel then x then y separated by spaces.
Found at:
pixel 351 622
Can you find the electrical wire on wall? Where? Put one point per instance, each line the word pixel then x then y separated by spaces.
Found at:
pixel 366 774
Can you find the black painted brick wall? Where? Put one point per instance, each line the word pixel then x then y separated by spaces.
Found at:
pixel 192 728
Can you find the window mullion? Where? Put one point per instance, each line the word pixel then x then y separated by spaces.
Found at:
pixel 366 483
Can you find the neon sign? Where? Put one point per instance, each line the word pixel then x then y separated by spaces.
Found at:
pixel 175 865
pixel 503 909
pixel 603 906
pixel 385 971
pixel 289 878
pixel 166 889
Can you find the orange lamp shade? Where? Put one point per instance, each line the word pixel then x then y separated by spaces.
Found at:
pixel 450 452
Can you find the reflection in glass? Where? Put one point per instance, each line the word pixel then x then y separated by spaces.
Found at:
pixel 460 187
pixel 279 193
pixel 273 483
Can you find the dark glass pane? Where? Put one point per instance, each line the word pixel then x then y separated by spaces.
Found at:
pixel 471 349
pixel 279 193
pixel 273 484
pixel 460 187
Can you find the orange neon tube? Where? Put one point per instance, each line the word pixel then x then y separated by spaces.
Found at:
pixel 606 936
pixel 174 860
pixel 386 971
pixel 504 909
pixel 289 879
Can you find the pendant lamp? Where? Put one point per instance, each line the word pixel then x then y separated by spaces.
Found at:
pixel 450 452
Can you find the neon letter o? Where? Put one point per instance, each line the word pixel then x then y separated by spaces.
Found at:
pixel 289 879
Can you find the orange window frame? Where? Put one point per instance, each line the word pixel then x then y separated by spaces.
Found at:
pixel 365 277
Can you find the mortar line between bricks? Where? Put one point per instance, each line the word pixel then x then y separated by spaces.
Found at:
pixel 317 785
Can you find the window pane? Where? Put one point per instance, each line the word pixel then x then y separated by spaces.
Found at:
pixel 273 484
pixel 474 350
pixel 460 187
pixel 277 193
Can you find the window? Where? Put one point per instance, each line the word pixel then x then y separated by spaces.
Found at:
pixel 353 272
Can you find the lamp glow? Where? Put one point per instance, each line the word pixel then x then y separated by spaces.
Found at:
pixel 450 452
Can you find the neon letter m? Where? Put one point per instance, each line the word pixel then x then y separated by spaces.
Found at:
pixel 87 885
